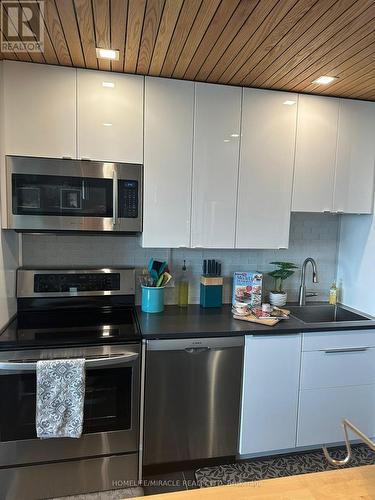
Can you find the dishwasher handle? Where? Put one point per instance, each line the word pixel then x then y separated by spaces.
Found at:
pixel 195 344
pixel 192 350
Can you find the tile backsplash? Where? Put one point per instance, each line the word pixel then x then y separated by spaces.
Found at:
pixel 311 235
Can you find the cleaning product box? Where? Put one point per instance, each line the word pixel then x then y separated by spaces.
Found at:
pixel 247 288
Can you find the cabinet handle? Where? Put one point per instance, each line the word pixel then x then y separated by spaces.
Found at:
pixel 349 349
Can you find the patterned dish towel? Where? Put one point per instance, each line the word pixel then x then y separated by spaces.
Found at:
pixel 60 396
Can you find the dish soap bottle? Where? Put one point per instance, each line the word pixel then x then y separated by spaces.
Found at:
pixel 333 294
pixel 183 288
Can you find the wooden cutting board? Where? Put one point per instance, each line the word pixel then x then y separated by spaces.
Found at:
pixel 253 319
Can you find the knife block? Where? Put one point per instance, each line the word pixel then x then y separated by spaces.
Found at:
pixel 211 291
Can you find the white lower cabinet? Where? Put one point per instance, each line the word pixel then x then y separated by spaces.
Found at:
pixel 322 410
pixel 337 382
pixel 327 376
pixel 270 393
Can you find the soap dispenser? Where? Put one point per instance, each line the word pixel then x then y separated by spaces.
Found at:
pixel 333 294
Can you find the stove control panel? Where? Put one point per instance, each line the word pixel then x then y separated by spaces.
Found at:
pixel 47 283
pixel 34 283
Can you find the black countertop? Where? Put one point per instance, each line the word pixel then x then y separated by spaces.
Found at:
pixel 194 321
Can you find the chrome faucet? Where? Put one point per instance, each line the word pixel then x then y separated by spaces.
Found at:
pixel 302 289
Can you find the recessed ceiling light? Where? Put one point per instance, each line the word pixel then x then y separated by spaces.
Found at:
pixel 109 85
pixel 234 135
pixel 226 140
pixel 114 55
pixel 289 103
pixel 107 124
pixel 325 80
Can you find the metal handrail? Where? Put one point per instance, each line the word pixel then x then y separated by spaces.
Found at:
pixel 346 424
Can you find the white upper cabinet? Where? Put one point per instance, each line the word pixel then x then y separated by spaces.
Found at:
pixel 168 160
pixel 266 169
pixel 110 116
pixel 217 124
pixel 315 154
pixel 39 110
pixel 354 181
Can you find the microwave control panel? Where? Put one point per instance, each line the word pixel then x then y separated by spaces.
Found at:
pixel 128 199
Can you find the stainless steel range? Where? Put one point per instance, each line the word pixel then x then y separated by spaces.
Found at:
pixel 67 314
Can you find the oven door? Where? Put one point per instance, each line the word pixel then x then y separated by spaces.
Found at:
pixel 111 408
pixel 70 195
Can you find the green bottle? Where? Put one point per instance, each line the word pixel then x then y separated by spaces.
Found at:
pixel 183 288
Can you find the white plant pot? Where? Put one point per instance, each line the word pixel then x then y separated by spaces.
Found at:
pixel 278 299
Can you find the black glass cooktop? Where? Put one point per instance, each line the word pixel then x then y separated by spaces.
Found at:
pixel 71 327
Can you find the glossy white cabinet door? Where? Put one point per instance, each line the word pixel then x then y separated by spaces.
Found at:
pixel 270 393
pixel 354 181
pixel 39 110
pixel 322 410
pixel 168 161
pixel 315 153
pixel 215 165
pixel 110 116
pixel 266 169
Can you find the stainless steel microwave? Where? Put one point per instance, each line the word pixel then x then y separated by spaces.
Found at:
pixel 47 194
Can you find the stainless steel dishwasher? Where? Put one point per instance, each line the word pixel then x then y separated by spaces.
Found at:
pixel 192 399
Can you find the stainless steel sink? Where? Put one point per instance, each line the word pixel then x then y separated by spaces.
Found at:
pixel 325 314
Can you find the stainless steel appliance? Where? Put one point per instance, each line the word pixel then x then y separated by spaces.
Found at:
pixel 65 314
pixel 47 194
pixel 192 399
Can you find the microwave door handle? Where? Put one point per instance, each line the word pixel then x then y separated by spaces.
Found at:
pixel 115 197
pixel 90 363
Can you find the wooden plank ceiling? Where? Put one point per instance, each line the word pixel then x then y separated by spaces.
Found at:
pixel 275 44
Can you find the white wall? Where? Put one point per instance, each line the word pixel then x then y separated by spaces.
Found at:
pixel 356 262
pixel 8 247
pixel 313 235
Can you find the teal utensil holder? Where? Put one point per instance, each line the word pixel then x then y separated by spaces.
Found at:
pixel 152 299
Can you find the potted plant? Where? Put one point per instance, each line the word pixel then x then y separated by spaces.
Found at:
pixel 278 296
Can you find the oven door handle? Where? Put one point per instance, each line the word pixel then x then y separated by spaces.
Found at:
pixel 21 366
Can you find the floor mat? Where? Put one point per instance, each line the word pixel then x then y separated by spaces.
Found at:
pixel 279 466
pixel 106 495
